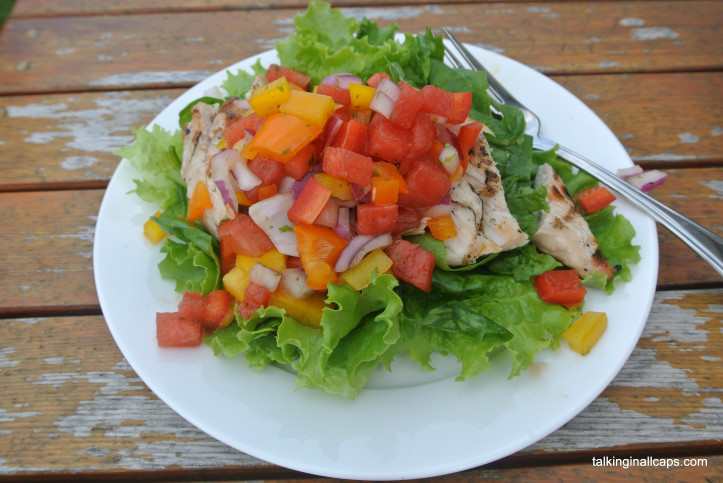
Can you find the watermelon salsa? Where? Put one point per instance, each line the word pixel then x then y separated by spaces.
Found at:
pixel 314 235
pixel 344 170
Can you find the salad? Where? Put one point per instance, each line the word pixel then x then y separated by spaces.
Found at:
pixel 358 202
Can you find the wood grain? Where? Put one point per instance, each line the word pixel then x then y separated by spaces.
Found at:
pixel 72 403
pixel 46 263
pixel 133 51
pixel 69 139
pixel 36 8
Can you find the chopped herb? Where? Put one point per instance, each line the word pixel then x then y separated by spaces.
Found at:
pixel 285 152
pixel 285 228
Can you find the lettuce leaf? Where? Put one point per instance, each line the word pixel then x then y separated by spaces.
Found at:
pixel 357 329
pixel 238 84
pixel 192 259
pixel 156 154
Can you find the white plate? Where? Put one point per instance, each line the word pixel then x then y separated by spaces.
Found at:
pixel 407 424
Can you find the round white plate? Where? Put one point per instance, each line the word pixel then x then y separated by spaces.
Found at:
pixel 406 424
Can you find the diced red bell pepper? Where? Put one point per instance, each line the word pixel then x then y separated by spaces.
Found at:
pixel 560 287
pixel 437 101
pixel 172 330
pixel 237 129
pixel 387 140
pixel 374 219
pixel 348 165
pixel 255 297
pixel 428 183
pixel 595 198
pixel 351 136
pixel 406 107
pixel 339 94
pixel 275 71
pixel 245 237
pixel 461 105
pixel 411 263
pixel 467 136
pixel 375 79
pixel 310 203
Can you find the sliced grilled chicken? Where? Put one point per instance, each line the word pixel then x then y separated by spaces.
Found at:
pixel 563 233
pixel 201 137
pixel 480 213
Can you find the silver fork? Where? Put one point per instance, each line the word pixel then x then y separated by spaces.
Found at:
pixel 705 243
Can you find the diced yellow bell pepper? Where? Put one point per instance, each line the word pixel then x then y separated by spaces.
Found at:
pixel 359 276
pixel 273 259
pixel 340 189
pixel 265 100
pixel 314 108
pixel 236 281
pixel 361 96
pixel 307 310
pixel 584 333
pixel 152 231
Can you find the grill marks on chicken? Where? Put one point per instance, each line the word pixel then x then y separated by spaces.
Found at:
pixel 201 137
pixel 480 213
pixel 563 233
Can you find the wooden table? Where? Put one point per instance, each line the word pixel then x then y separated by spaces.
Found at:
pixel 76 75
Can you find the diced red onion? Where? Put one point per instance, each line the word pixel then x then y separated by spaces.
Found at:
pixel 438 210
pixel 447 200
pixel 271 216
pixel 389 88
pixel 264 276
pixel 293 282
pixel 647 180
pixel 382 104
pixel 245 178
pixel 625 173
pixel 362 194
pixel 341 230
pixel 379 241
pixel 225 192
pixel 331 129
pixel 347 255
pixel 285 184
pixel 449 158
pixel 446 135
pixel 343 224
pixel 328 216
pixel 342 80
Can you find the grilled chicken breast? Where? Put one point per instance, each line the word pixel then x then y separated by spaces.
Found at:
pixel 480 213
pixel 201 137
pixel 563 233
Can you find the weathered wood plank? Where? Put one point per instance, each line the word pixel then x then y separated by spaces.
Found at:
pixel 51 140
pixel 71 402
pixel 686 128
pixel 46 261
pixel 53 232
pixel 37 8
pixel 103 52
pixel 60 139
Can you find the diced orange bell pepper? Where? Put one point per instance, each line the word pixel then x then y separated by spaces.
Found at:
pixel 281 137
pixel 442 227
pixel 388 170
pixel 319 249
pixel 384 190
pixel 199 202
pixel 267 191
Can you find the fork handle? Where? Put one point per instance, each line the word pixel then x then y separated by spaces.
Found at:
pixel 704 242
